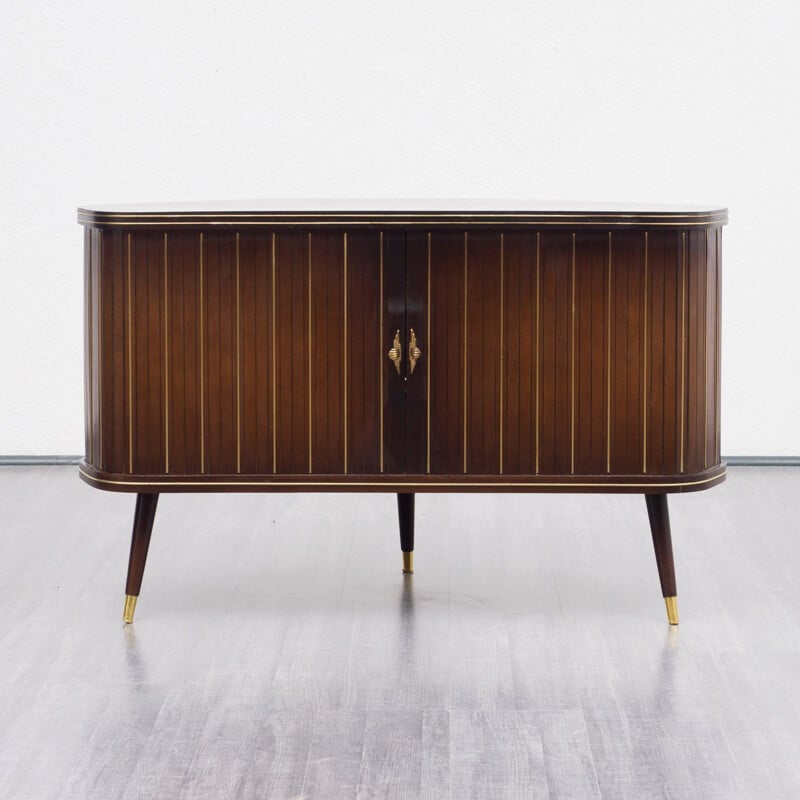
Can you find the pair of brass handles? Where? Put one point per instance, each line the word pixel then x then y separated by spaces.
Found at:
pixel 396 352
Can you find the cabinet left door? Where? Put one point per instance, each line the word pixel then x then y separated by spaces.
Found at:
pixel 259 352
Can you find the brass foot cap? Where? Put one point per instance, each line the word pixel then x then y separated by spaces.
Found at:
pixel 672 609
pixel 408 561
pixel 130 608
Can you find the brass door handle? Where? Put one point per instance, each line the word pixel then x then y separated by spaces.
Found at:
pixel 396 352
pixel 414 353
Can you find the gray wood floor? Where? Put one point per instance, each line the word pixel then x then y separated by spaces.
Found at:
pixel 279 652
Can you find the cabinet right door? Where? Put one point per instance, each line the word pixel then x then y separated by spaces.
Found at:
pixel 560 352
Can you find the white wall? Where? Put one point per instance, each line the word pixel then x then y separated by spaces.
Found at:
pixel 628 101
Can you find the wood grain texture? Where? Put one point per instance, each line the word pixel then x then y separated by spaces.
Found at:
pixel 579 357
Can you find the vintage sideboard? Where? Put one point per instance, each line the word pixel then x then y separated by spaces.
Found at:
pixel 402 347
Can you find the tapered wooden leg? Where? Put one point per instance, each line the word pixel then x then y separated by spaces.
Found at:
pixel 405 512
pixel 658 512
pixel 140 542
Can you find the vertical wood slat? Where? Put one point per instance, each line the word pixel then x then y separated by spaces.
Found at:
pixel 710 435
pixel 502 347
pixel 166 354
pixel 627 302
pixel 664 271
pixel 416 412
pixel 590 391
pixel 202 358
pixel 88 360
pixel 274 359
pixel 98 321
pixel 183 345
pixel 482 353
pixel 538 347
pixel 447 352
pixel 379 370
pixel 344 349
pixel 645 346
pixel 363 348
pixel 555 320
pixel 146 364
pixel 428 364
pixel 238 328
pixel 327 352
pixel 255 438
pixel 682 348
pixel 697 263
pixel 519 345
pixel 292 362
pixel 465 346
pixel 718 315
pixel 397 257
pixel 219 349
pixel 111 354
pixel 572 359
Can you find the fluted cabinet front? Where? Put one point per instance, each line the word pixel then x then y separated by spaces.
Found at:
pixel 548 357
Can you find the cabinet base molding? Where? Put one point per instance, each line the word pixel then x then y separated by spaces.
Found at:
pixel 631 484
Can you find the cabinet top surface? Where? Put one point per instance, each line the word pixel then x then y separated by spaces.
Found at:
pixel 399 211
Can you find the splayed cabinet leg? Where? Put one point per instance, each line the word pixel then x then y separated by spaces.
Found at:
pixel 140 542
pixel 405 512
pixel 658 512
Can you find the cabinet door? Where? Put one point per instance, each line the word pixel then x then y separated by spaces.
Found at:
pixel 255 352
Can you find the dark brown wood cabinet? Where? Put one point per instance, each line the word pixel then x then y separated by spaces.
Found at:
pixel 402 350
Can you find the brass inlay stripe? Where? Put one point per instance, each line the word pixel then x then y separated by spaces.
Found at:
pixel 99 351
pixel 166 359
pixel 101 456
pixel 92 323
pixel 238 367
pixel 428 364
pixel 202 360
pixel 87 332
pixel 718 310
pixel 345 348
pixel 88 245
pixel 572 367
pixel 310 396
pixel 538 354
pixel 502 247
pixel 466 317
pixel 683 341
pixel 509 484
pixel 130 362
pixel 608 365
pixel 380 335
pixel 274 370
pixel 644 376
pixel 705 363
